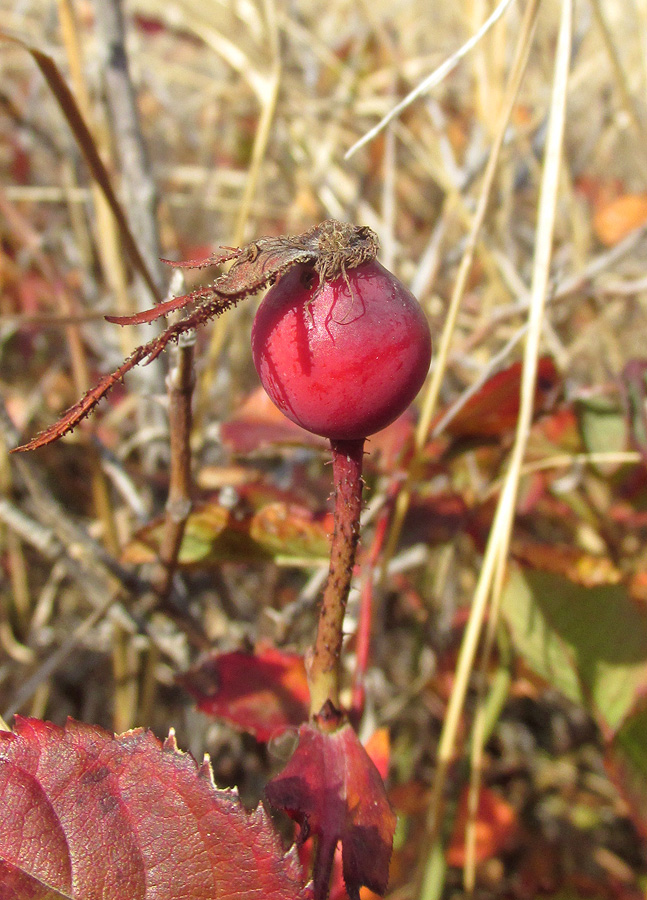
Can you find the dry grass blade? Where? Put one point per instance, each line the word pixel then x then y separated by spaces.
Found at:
pixel 49 666
pixel 432 80
pixel 265 85
pixel 432 392
pixel 84 139
pixel 495 557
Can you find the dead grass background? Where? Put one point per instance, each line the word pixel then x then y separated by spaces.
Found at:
pixel 247 110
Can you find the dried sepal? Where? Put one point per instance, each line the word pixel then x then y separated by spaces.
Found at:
pixel 333 790
pixel 331 248
pixel 147 352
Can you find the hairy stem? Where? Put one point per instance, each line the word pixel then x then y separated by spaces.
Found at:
pixel 323 670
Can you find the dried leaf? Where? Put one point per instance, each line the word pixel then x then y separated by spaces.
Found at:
pixel 259 424
pixel 260 526
pixel 494 409
pixel 567 560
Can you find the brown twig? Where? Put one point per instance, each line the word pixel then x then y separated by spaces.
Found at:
pixel 181 382
pixel 139 186
pixel 323 667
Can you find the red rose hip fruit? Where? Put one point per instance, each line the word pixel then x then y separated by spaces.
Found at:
pixel 341 363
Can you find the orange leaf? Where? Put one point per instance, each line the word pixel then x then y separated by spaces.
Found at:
pixel 496 822
pixel 378 748
pixel 259 424
pixel 614 220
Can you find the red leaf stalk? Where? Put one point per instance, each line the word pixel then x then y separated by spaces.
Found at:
pixel 323 669
pixel 364 625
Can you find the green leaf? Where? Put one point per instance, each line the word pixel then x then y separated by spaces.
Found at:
pixel 628 767
pixel 215 534
pixel 589 643
pixel 603 425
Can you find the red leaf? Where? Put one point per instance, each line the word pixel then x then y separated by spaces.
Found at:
pixel 333 790
pixel 263 693
pixel 259 424
pixel 494 409
pixel 386 448
pixel 378 748
pixel 95 816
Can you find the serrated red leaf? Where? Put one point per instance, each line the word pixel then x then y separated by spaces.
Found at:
pixel 90 815
pixel 263 693
pixel 333 790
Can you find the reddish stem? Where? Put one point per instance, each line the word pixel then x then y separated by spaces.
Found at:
pixel 323 669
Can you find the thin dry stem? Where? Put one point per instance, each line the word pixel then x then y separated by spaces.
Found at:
pixel 138 182
pixel 432 80
pixel 80 371
pixel 631 106
pixel 266 87
pixel 108 244
pixel 87 145
pixel 181 381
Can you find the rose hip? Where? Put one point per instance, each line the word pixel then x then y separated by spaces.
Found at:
pixel 345 360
